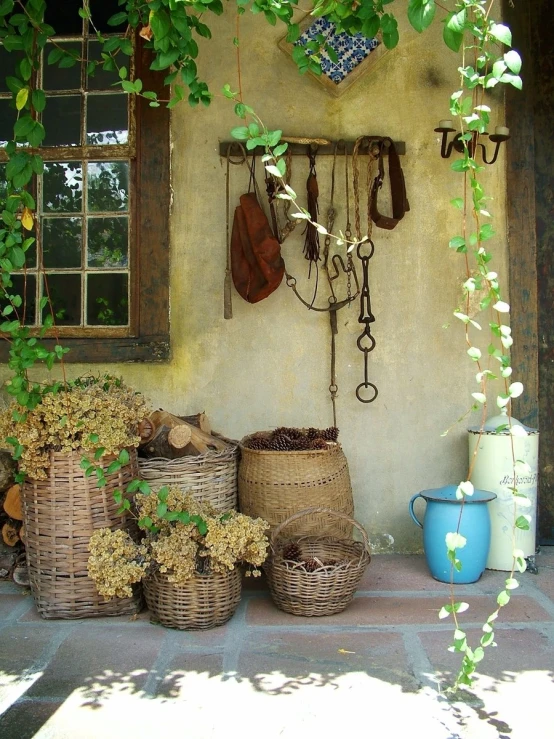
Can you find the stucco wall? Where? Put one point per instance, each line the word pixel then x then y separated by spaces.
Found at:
pixel 269 365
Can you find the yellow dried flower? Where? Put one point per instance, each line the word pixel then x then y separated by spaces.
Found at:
pixel 116 562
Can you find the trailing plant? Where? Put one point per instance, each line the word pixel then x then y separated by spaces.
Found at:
pixel 168 28
pixel 183 537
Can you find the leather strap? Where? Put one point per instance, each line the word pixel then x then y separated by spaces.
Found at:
pixel 400 203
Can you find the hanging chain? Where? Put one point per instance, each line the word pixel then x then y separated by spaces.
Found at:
pixel 365 251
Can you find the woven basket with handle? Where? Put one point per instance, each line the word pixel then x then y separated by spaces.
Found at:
pixel 328 571
pixel 203 602
pixel 275 485
pixel 61 513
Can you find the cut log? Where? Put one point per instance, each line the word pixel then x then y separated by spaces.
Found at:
pixel 200 420
pixel 7 470
pixel 12 503
pixel 23 534
pixel 10 533
pixel 20 575
pixel 172 437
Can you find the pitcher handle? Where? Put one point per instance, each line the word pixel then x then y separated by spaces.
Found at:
pixel 415 519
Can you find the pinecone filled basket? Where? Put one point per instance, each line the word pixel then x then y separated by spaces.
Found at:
pixel 315 576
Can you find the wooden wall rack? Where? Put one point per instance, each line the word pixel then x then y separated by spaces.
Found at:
pixel 298 147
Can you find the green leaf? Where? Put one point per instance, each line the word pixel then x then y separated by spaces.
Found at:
pixel 421 14
pixel 117 19
pixel 451 37
pixel 503 598
pixel 161 510
pixel 21 98
pixel 513 61
pixel 133 486
pixel 145 523
pixel 240 133
pixel 38 100
pixel 456 242
pixel 522 523
pixel 144 488
pixel 123 457
pixel 99 452
pixel 163 492
pixel 113 467
pixel 293 33
pixel 501 33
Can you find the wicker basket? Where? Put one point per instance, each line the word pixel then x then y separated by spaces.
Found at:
pixel 61 513
pixel 203 602
pixel 329 588
pixel 210 477
pixel 275 485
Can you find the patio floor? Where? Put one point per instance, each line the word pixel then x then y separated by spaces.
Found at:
pixel 380 666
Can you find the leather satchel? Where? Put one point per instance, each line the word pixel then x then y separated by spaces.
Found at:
pixel 256 263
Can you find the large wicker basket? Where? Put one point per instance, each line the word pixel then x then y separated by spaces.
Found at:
pixel 210 477
pixel 275 485
pixel 203 602
pixel 328 588
pixel 61 513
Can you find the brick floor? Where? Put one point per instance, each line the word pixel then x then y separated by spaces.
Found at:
pixel 379 667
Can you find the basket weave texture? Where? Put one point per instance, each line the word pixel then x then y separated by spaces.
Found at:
pixel 328 589
pixel 275 485
pixel 210 477
pixel 203 602
pixel 61 513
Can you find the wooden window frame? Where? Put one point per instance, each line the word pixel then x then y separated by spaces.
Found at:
pixel 148 339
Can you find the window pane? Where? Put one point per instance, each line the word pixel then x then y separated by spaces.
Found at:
pixel 65 294
pixel 107 119
pixel 62 120
pixel 107 242
pixel 62 78
pixel 7 119
pixel 100 80
pixel 26 288
pixel 61 242
pixel 108 186
pixel 101 12
pixel 107 300
pixel 64 17
pixel 8 63
pixel 62 187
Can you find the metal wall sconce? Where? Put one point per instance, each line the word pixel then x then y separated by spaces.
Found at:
pixel 501 133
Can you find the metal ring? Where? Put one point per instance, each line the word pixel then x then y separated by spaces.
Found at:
pixel 333 389
pixel 291 281
pixel 366 385
pixel 363 244
pixel 368 336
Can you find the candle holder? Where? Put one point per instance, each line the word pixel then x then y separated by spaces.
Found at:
pixel 501 134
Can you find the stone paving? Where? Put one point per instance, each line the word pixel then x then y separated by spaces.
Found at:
pixel 378 669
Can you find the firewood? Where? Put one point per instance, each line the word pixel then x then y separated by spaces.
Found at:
pixel 12 503
pixel 20 575
pixel 10 533
pixel 200 420
pixel 173 437
pixel 23 534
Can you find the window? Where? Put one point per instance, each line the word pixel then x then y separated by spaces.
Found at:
pixel 102 241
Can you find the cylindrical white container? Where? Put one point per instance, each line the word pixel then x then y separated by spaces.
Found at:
pixel 494 470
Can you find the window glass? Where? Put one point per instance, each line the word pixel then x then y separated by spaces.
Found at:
pixel 61 242
pixel 108 186
pixel 62 187
pixel 65 295
pixel 107 119
pixel 62 120
pixel 25 286
pixel 107 300
pixel 101 79
pixel 108 243
pixel 56 77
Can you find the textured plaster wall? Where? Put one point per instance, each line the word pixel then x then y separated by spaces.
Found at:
pixel 269 365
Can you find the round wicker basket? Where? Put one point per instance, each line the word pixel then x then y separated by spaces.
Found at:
pixel 60 514
pixel 275 485
pixel 210 477
pixel 328 588
pixel 203 602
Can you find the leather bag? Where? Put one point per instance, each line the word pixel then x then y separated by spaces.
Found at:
pixel 256 263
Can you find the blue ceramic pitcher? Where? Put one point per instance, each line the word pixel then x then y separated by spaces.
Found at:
pixel 441 517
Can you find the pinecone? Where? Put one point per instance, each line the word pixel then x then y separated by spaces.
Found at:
pixel 258 444
pixel 330 434
pixel 319 443
pixel 279 443
pixel 300 445
pixel 292 552
pixel 290 432
pixel 311 564
pixel 312 433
